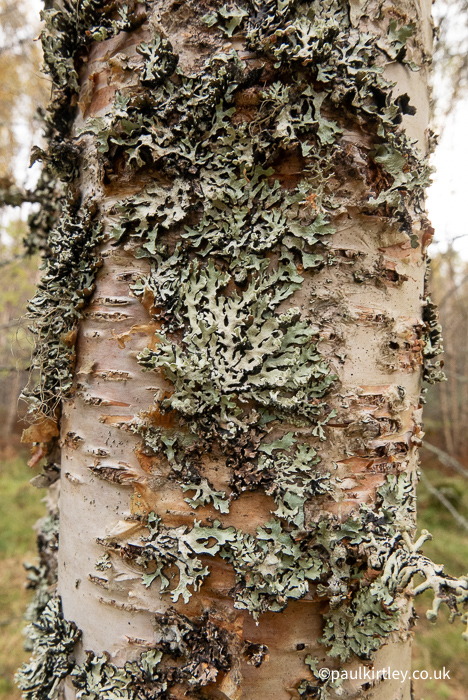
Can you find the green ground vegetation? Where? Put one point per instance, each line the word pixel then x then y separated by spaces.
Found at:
pixel 439 644
pixel 20 507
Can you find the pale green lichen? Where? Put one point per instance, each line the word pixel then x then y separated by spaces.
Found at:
pixel 319 688
pixel 276 565
pixel 293 481
pixel 236 350
pixel 97 678
pixel 204 494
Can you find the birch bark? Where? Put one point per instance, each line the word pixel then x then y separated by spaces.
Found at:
pixel 239 443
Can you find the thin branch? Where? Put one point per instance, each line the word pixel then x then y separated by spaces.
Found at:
pixel 463 522
pixel 12 323
pixel 452 291
pixel 10 368
pixel 15 258
pixel 15 197
pixel 459 377
pixel 446 459
pixel 18 42
pixel 455 238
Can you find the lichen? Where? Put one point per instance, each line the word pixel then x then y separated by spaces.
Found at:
pixel 319 688
pixel 42 576
pixel 432 338
pixel 373 548
pixel 57 305
pixel 53 639
pixel 231 238
pixel 236 351
pixel 202 650
pixel 97 677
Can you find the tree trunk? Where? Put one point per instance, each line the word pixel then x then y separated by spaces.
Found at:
pixel 239 397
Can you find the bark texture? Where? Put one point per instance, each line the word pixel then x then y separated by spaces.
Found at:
pixel 232 332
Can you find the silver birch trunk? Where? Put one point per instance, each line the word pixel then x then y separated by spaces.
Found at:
pixel 232 334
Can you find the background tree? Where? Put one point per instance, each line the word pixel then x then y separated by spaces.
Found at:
pixel 253 395
pixel 22 90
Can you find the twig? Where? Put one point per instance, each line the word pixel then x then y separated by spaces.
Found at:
pixel 463 522
pixel 20 256
pixel 446 459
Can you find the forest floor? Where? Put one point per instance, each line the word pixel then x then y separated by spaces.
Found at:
pixel 20 507
pixel 436 646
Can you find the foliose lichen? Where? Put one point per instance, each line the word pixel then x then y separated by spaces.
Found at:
pixel 53 639
pixel 42 576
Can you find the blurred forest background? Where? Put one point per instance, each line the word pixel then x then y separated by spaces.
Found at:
pixel 443 491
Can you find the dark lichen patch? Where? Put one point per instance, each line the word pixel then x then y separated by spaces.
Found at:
pixel 432 339
pixel 203 650
pixel 67 283
pixel 53 639
pixel 42 576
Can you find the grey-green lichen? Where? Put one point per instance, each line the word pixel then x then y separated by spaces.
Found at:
pixel 53 639
pixel 97 678
pixel 373 549
pixel 42 576
pixel 319 688
pixel 63 228
pixel 185 651
pixel 68 28
pixel 231 237
pixel 57 305
pixel 236 351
